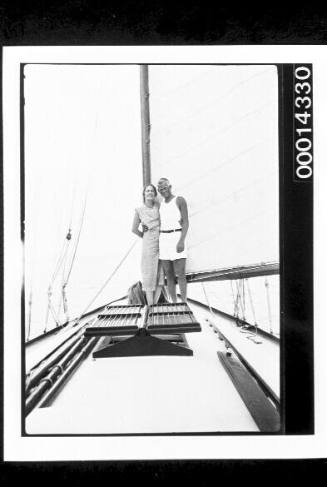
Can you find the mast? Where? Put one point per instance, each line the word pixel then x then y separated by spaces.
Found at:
pixel 145 123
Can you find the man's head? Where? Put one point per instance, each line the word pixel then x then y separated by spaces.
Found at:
pixel 164 187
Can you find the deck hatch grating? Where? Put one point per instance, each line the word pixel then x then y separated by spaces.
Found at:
pixel 115 320
pixel 158 319
pixel 164 318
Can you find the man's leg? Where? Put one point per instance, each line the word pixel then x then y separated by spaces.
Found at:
pixel 157 293
pixel 169 273
pixel 179 270
pixel 149 297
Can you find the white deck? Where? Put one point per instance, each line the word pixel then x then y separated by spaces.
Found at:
pixel 149 395
pixel 263 357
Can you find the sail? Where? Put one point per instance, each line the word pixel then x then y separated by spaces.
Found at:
pixel 214 135
pixel 82 155
pixel 83 179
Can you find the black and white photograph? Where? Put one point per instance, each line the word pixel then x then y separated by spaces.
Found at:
pixel 153 223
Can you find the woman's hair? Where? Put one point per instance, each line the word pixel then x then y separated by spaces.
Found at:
pixel 152 186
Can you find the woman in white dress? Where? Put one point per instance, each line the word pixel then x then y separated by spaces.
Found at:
pixel 148 216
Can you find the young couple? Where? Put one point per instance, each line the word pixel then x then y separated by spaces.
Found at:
pixel 164 228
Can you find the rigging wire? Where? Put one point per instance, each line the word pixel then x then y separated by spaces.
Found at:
pixel 61 257
pixel 61 261
pixel 251 302
pixel 54 315
pixel 30 302
pixel 81 226
pixel 48 310
pixel 89 178
pixel 31 231
pixel 268 305
pixel 63 254
pixel 233 296
pixel 29 315
pixel 62 295
pixel 236 302
pixel 240 290
pixel 252 335
pixel 244 302
pixel 76 244
pixel 65 279
pixel 207 299
pixel 239 303
pixel 108 279
pixel 62 301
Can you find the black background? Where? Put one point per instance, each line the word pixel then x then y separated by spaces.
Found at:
pixel 296 256
pixel 184 22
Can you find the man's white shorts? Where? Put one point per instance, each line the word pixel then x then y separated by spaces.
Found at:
pixel 167 246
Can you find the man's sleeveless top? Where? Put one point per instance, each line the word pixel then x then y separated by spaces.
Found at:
pixel 170 216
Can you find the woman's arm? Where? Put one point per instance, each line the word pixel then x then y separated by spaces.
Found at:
pixel 136 223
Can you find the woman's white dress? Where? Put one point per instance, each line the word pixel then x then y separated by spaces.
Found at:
pixel 150 246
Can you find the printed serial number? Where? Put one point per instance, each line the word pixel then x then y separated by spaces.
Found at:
pixel 303 122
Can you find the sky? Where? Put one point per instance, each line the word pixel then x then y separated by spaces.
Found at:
pixel 83 144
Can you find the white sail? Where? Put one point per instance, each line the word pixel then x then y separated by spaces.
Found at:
pixel 82 142
pixel 214 134
pixel 91 183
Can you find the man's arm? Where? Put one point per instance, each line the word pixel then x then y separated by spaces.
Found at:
pixel 136 223
pixel 182 205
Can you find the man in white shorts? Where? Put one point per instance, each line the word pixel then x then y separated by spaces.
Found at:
pixel 173 229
